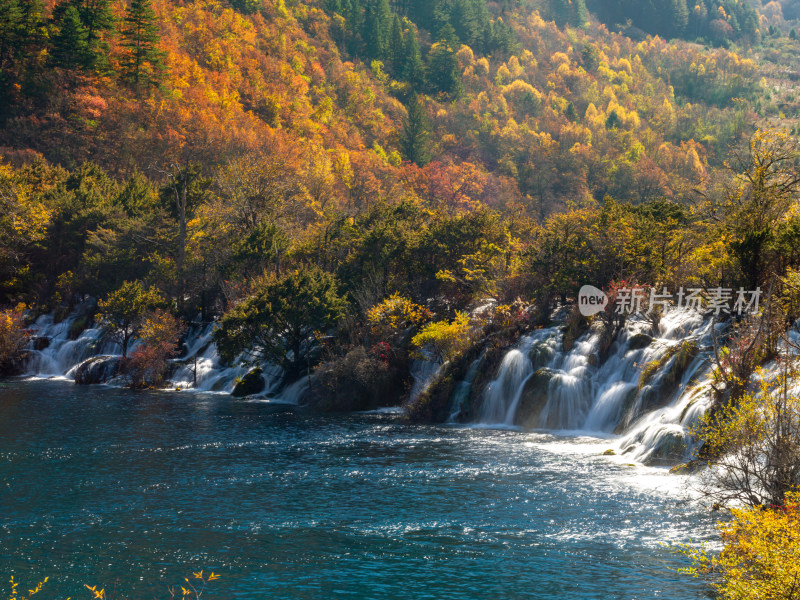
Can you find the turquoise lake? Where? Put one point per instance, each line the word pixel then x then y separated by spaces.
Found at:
pixel 133 491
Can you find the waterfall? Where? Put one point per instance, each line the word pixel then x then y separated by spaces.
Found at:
pixel 649 388
pixel 202 364
pixel 463 389
pixel 57 354
pixel 53 353
pixel 501 397
pixel 501 394
pixel 589 387
pixel 423 372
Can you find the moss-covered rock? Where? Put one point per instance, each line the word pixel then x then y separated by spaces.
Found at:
pixel 15 365
pixel 672 365
pixel 358 381
pixel 40 342
pixel 433 405
pixel 639 341
pixel 670 448
pixel 77 327
pixel 541 354
pixel 574 328
pixel 97 369
pixel 252 383
pixel 533 398
pixel 693 466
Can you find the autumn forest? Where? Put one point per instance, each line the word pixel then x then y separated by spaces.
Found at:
pixel 348 189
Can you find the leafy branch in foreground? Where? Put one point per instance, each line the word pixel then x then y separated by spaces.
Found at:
pixel 16 595
pixel 761 557
pixel 196 586
pixel 753 447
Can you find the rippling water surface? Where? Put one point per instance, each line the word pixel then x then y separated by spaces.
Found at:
pixel 135 490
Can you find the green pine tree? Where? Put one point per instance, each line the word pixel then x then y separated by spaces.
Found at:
pixel 376 28
pixel 142 61
pixel 97 20
pixel 560 12
pixel 444 72
pixel 571 113
pixel 71 43
pixel 97 17
pixel 415 138
pixel 33 31
pixel 10 20
pixel 580 16
pixel 396 46
pixel 502 38
pixel 569 12
pixel 246 7
pixel 354 20
pixel 413 70
pixel 680 16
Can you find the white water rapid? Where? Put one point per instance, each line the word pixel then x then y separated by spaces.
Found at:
pixel 539 385
pixel 58 349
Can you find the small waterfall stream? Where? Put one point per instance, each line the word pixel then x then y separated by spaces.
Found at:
pixel 577 390
pixel 54 353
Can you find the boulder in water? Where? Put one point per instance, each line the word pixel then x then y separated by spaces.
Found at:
pixel 97 369
pixel 40 342
pixel 669 449
pixel 540 354
pixel 639 341
pixel 534 398
pixel 360 380
pixel 693 466
pixel 252 383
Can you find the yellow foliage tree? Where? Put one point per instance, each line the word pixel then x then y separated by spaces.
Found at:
pixel 753 443
pixel 448 339
pixel 761 558
pixel 395 314
pixel 13 335
pixel 23 221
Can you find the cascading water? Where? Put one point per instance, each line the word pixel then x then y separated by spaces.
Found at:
pixel 423 372
pixel 574 390
pixel 58 350
pixel 58 353
pixel 502 394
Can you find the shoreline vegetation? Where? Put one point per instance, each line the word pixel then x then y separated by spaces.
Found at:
pixel 342 185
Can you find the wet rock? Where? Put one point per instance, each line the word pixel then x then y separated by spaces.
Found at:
pixel 670 448
pixel 685 468
pixel 41 342
pixel 97 369
pixel 77 327
pixel 252 383
pixel 541 354
pixel 534 398
pixel 360 380
pixel 639 341
pixel 15 366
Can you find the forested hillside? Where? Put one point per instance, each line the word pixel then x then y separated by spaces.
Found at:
pixel 445 152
